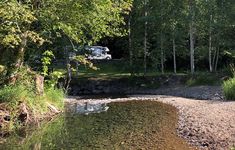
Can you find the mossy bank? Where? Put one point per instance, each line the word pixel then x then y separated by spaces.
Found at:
pixel 24 101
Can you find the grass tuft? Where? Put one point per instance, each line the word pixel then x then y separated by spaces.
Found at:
pixel 14 94
pixel 55 96
pixel 229 89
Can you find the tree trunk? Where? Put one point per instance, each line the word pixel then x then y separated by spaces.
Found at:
pixel 161 45
pixel 214 57
pixel 174 50
pixel 217 59
pixel 130 44
pixel 210 45
pixel 69 70
pixel 145 38
pixel 20 53
pixel 162 55
pixel 191 32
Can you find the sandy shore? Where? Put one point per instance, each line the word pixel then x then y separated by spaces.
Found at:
pixel 206 124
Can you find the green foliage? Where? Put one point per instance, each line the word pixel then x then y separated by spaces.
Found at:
pixel 53 78
pixel 46 61
pixel 24 91
pixel 13 93
pixel 168 31
pixel 16 20
pixel 24 23
pixel 83 60
pixel 85 21
pixel 229 86
pixel 229 89
pixel 21 89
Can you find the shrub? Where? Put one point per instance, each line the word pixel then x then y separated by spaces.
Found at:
pixel 229 89
pixel 53 79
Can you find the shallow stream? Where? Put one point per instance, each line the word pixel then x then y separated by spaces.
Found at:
pixel 118 125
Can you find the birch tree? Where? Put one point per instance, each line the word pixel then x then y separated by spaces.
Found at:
pixel 191 33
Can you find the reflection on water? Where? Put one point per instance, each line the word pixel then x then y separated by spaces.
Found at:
pixel 126 125
pixel 86 108
pixel 104 96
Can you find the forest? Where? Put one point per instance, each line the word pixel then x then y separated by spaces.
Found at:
pixel 43 57
pixel 180 35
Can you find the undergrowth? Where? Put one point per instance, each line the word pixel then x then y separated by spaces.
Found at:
pixel 13 95
pixel 229 89
pixel 23 91
pixel 229 86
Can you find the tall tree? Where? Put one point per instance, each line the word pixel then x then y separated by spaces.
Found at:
pixel 130 42
pixel 161 38
pixel 145 35
pixel 191 33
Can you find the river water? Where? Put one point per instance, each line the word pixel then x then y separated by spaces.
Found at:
pixel 118 125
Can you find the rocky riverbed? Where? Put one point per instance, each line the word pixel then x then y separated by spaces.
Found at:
pixel 207 124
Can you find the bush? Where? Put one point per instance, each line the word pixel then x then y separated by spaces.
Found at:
pixel 229 89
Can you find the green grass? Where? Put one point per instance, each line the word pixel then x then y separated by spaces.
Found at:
pixel 113 69
pixel 12 96
pixel 118 69
pixel 229 89
pixel 203 79
pixel 55 96
pixel 105 69
pixel 15 94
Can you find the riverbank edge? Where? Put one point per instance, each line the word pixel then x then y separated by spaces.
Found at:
pixel 21 116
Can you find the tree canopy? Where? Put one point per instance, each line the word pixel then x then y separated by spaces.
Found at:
pixel 34 22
